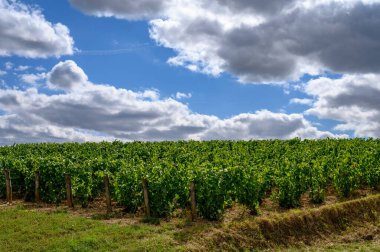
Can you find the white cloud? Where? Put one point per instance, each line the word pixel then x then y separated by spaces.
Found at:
pixel 265 125
pixel 353 100
pixel 2 73
pixel 140 9
pixel 21 68
pixel 66 76
pixel 25 32
pixel 180 96
pixel 40 69
pixel 195 31
pixel 32 78
pixel 153 95
pixel 271 41
pixel 8 65
pixel 282 48
pixel 87 111
pixel 303 101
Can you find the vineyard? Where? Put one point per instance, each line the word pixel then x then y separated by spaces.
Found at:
pixel 223 172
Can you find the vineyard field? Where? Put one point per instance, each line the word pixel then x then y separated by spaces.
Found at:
pixel 224 172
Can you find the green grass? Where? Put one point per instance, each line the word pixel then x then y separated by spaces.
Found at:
pixel 26 229
pixel 29 230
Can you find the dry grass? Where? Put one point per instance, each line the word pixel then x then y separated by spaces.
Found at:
pixel 351 221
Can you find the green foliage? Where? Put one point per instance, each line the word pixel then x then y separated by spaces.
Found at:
pixel 167 185
pixel 347 175
pixel 210 192
pixel 127 184
pixel 2 179
pixel 52 180
pixel 318 181
pixel 245 186
pixel 291 184
pixel 224 172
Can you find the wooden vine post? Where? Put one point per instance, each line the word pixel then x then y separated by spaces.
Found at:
pixel 69 193
pixel 146 197
pixel 8 184
pixel 193 201
pixel 37 187
pixel 107 192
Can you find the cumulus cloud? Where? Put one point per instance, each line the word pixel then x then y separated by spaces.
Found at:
pixel 257 6
pixel 32 78
pixel 2 72
pixel 140 9
pixel 24 31
pixel 263 125
pixel 8 65
pixel 21 68
pixel 14 129
pixel 353 100
pixel 40 68
pixel 271 41
pixel 102 112
pixel 303 101
pixel 180 96
pixel 66 75
pixel 324 38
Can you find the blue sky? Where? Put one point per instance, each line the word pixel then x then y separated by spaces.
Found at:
pixel 121 53
pixel 248 80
